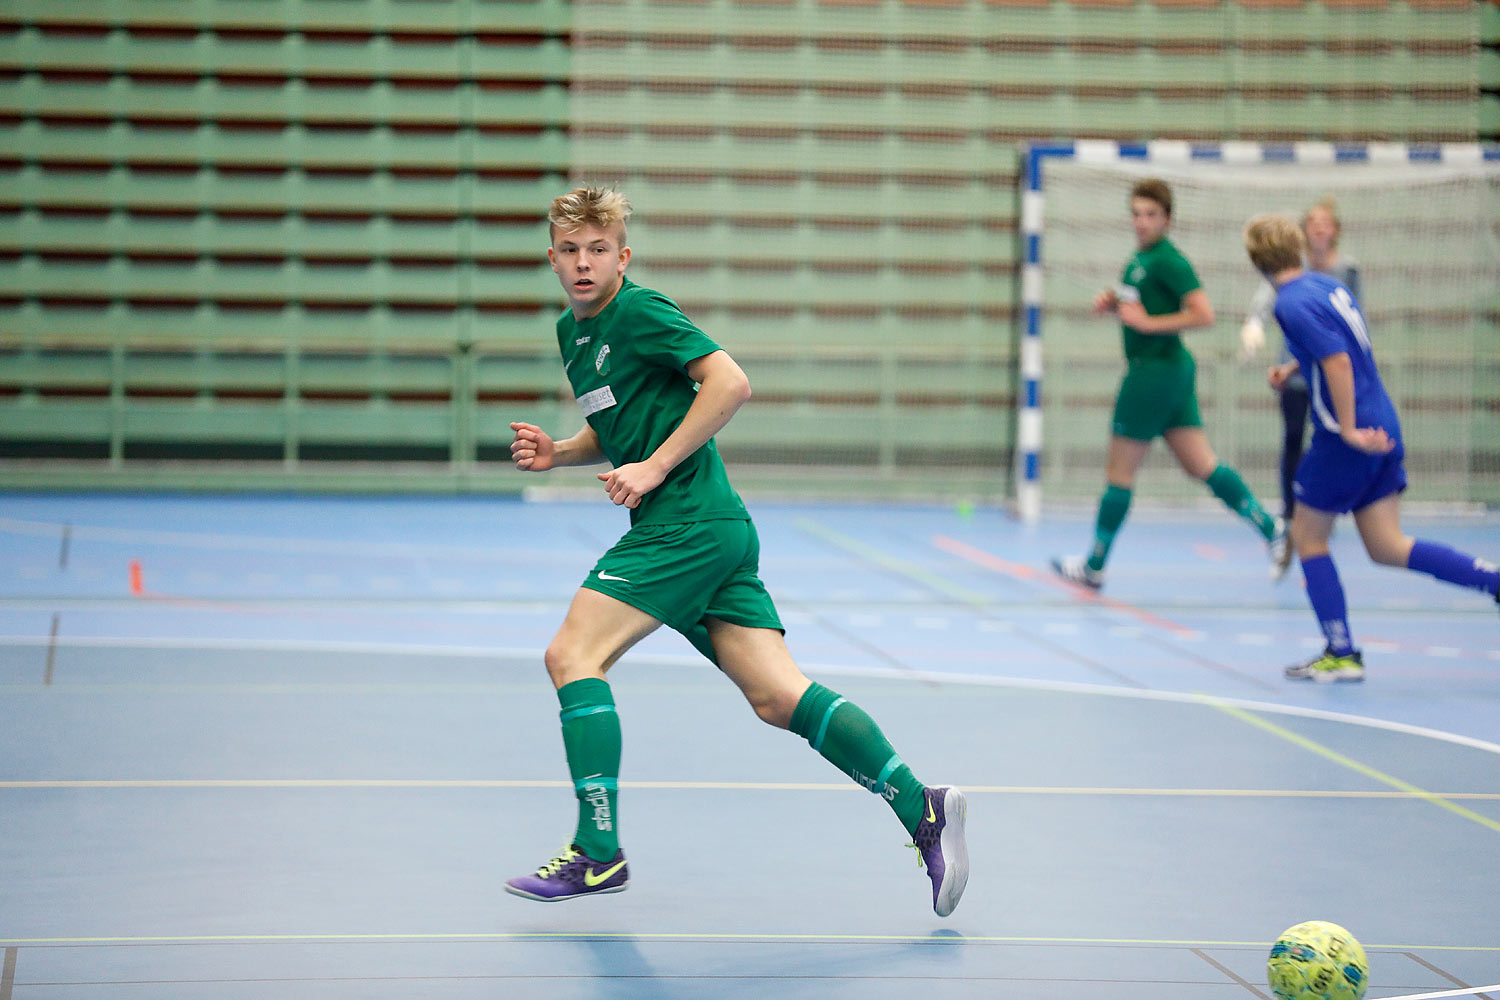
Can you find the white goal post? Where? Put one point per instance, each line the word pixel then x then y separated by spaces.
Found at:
pixel 1423 222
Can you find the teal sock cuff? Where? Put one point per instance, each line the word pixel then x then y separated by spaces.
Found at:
pixel 1223 476
pixel 817 742
pixel 608 784
pixel 589 696
pixel 814 709
pixel 568 714
pixel 886 772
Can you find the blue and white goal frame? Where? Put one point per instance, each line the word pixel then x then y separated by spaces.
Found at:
pixel 1105 151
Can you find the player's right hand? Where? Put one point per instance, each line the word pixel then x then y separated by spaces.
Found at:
pixel 1370 440
pixel 532 450
pixel 1277 375
pixel 1106 302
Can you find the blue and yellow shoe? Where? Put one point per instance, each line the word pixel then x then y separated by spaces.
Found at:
pixel 1329 666
pixel 941 846
pixel 572 874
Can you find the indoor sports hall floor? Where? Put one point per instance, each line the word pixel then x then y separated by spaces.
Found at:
pixel 292 747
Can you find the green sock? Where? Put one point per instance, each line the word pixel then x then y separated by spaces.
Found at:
pixel 851 741
pixel 1113 506
pixel 1230 488
pixel 591 736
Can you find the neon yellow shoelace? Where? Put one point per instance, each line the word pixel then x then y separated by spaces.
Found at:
pixel 557 864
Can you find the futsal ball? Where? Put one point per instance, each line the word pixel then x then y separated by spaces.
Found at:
pixel 1317 960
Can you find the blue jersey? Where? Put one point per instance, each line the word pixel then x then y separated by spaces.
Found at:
pixel 1321 318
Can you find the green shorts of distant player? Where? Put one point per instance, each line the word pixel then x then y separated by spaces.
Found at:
pixel 1156 396
pixel 683 573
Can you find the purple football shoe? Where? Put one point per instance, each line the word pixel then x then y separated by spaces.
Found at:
pixel 572 874
pixel 942 848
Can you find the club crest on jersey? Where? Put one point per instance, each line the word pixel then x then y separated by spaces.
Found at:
pixel 601 360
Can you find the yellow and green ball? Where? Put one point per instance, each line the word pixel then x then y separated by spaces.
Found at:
pixel 1317 960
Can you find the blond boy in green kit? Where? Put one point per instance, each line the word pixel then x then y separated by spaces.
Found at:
pixel 1158 298
pixel 654 390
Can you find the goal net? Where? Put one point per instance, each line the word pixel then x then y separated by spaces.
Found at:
pixel 1422 226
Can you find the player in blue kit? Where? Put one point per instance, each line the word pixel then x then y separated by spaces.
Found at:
pixel 1355 461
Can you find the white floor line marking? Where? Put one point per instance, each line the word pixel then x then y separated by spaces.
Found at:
pixel 839 670
pixel 720 786
pixel 712 936
pixel 1448 993
pixel 266 543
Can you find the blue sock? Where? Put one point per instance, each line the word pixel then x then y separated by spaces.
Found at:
pixel 1327 597
pixel 1452 566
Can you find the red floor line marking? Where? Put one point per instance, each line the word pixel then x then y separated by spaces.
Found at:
pixel 993 562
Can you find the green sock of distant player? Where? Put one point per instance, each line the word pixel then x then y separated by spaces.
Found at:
pixel 591 736
pixel 1230 488
pixel 851 741
pixel 1113 507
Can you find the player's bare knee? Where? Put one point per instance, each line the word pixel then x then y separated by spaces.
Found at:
pixel 1390 554
pixel 772 707
pixel 563 666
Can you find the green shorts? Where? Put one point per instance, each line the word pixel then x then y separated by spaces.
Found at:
pixel 1155 397
pixel 683 573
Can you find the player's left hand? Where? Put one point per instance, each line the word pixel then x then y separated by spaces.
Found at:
pixel 1133 315
pixel 1370 440
pixel 629 483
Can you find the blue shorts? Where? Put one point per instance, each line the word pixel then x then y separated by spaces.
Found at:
pixel 1335 478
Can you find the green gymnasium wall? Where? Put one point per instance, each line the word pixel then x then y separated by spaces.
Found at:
pixel 278 244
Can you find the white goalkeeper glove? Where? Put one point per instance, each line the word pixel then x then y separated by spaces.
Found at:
pixel 1252 339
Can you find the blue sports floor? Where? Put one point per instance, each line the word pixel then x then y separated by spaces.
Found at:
pixel 292 748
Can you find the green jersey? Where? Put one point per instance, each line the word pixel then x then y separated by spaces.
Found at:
pixel 628 369
pixel 1162 277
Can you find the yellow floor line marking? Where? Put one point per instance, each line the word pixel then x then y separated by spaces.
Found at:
pixel 910 569
pixel 696 936
pixel 1407 787
pixel 755 786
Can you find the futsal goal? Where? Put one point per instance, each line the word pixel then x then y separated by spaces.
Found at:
pixel 1423 223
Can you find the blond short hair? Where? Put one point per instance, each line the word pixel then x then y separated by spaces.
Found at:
pixel 1274 243
pixel 604 207
pixel 1329 204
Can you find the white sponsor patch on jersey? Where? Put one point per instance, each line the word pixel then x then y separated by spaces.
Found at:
pixel 599 399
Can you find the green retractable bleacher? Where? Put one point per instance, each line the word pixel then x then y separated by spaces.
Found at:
pixel 307 235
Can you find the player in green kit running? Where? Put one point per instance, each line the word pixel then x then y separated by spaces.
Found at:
pixel 654 390
pixel 1158 297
